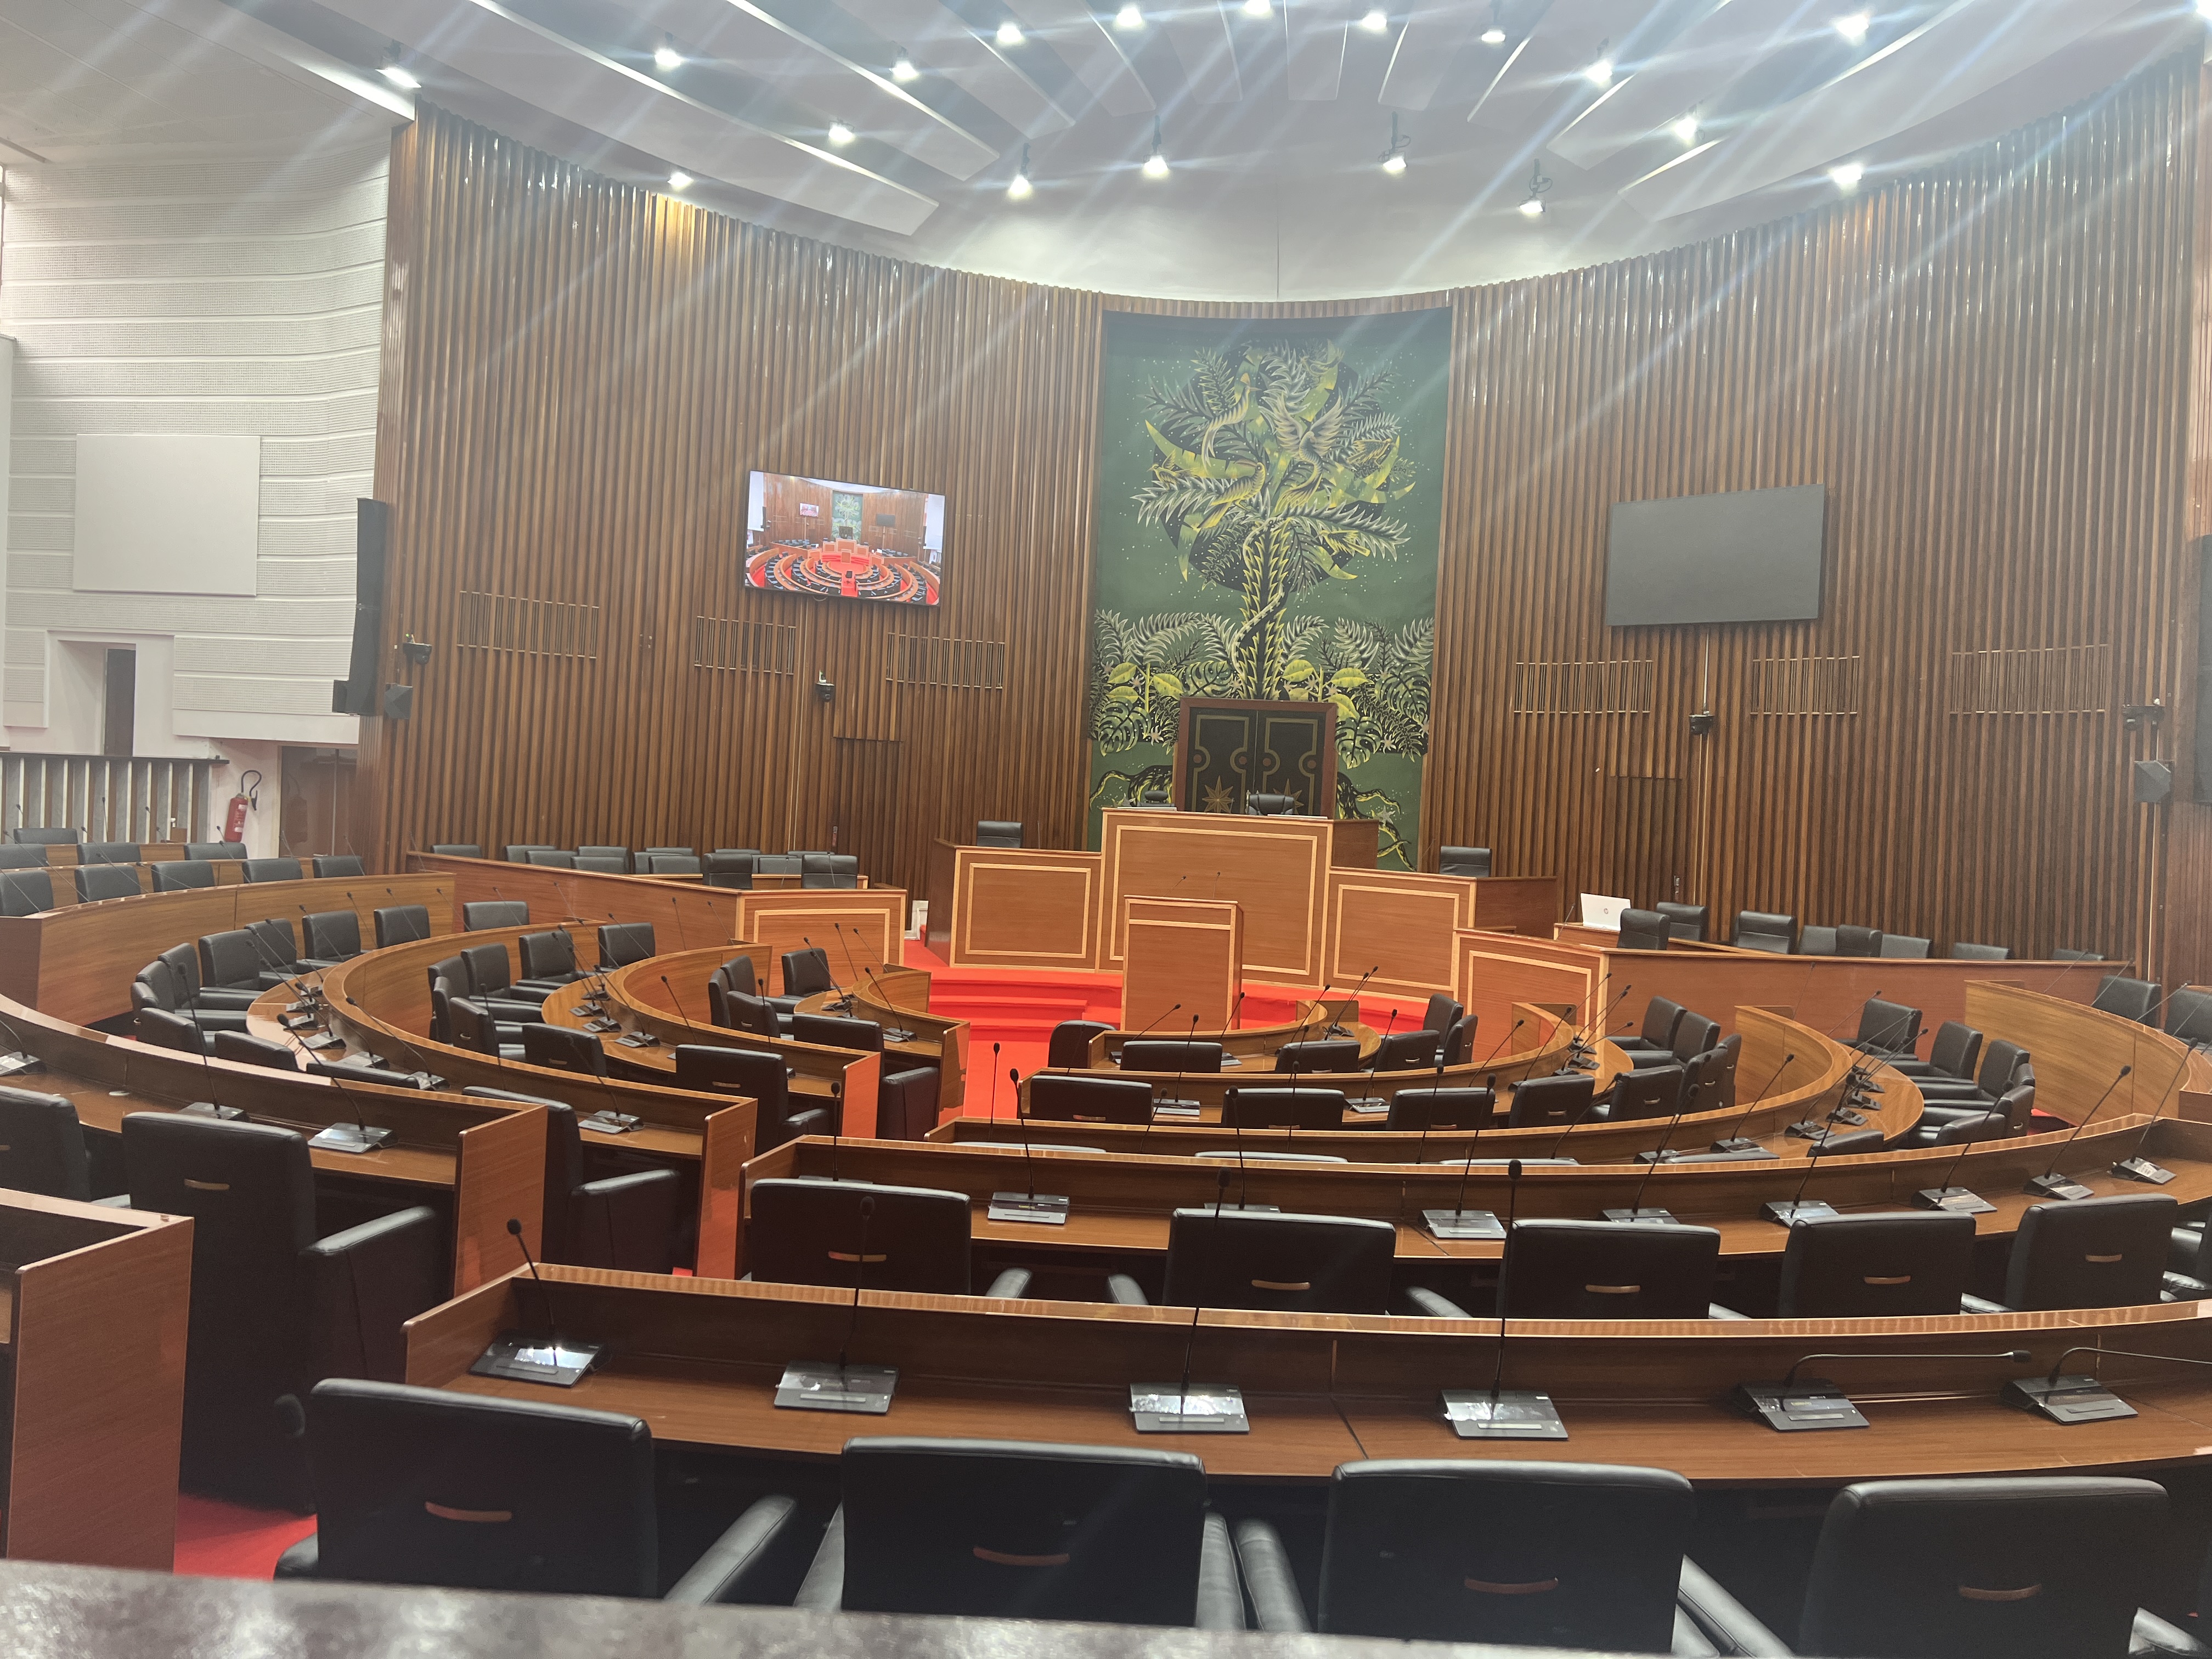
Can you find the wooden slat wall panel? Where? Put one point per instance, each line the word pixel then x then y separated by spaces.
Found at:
pixel 1988 366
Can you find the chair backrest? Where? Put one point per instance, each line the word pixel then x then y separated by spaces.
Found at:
pixel 906 1104
pixel 42 1145
pixel 1816 942
pixel 2061 955
pixel 1406 1051
pixel 488 970
pixel 1284 1108
pixel 1608 1270
pixel 327 865
pixel 1852 941
pixel 1555 1101
pixel 776 864
pixel 164 1029
pixel 1320 1055
pixel 273 870
pixel 1069 1047
pixel 1907 945
pixel 619 852
pixel 1694 1033
pixel 1876 1267
pixel 551 858
pixel 1444 1009
pixel 600 866
pixel 332 935
pixel 565 1049
pixel 805 972
pixel 834 1032
pixel 519 852
pixel 1280 1263
pixel 95 882
pixel 671 863
pixel 1644 930
pixel 1270 807
pixel 25 857
pixel 1655 1091
pixel 648 850
pixel 1684 920
pixel 1170 1054
pixel 829 870
pixel 2094 1253
pixel 1765 930
pixel 736 1012
pixel 998 832
pixel 1571 1555
pixel 479 914
pixel 1962 950
pixel 843 1232
pixel 1458 1046
pixel 179 875
pixel 110 852
pixel 279 945
pixel 2038 1567
pixel 1055 1099
pixel 1463 860
pixel 711 1069
pixel 401 924
pixel 1886 1027
pixel 468 1025
pixel 422 1486
pixel 230 959
pixel 2000 1060
pixel 1661 1016
pixel 1716 1083
pixel 24 836
pixel 184 961
pixel 216 850
pixel 736 975
pixel 25 892
pixel 547 956
pixel 1416 1109
pixel 1022 1530
pixel 2189 1015
pixel 622 943
pixel 246 1049
pixel 1956 1049
pixel 730 869
pixel 2130 998
pixel 457 849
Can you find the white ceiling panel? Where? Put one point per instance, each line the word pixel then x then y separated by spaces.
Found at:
pixel 942 42
pixel 1086 45
pixel 1199 31
pixel 1428 41
pixel 1313 34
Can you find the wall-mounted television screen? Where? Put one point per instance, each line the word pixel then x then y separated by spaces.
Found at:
pixel 832 540
pixel 1748 556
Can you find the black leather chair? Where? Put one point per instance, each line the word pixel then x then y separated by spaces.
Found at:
pixel 836 870
pixel 1878 1266
pixel 1694 1034
pixel 734 1011
pixel 26 892
pixel 906 1104
pixel 669 863
pixel 274 1309
pixel 1964 951
pixel 1463 860
pixel 1444 1012
pixel 1552 1102
pixel 648 852
pixel 469 1025
pixel 2001 1063
pixel 42 1146
pixel 598 865
pixel 25 857
pixel 1284 1108
pixel 733 871
pixel 1905 946
pixel 1684 920
pixel 401 924
pixel 1222 1258
pixel 549 962
pixel 1069 1047
pixel 622 943
pixel 2035 1567
pixel 1406 1051
pixel 1417 1109
pixel 273 869
pixel 1656 1037
pixel 1319 1055
pixel 336 865
pixel 1953 1054
pixel 26 836
pixel 95 882
pixel 834 1031
pixel 163 1028
pixel 1270 807
pixel 329 937
pixel 1170 1054
pixel 711 1069
pixel 216 850
pixel 1644 930
pixel 805 974
pixel 2130 998
pixel 1556 1269
pixel 1817 942
pixel 490 979
pixel 111 852
pixel 234 961
pixel 1458 1047
pixel 1647 1091
pixel 478 914
pixel 884 1238
pixel 2058 954
pixel 1059 1099
pixel 550 858
pixel 519 852
pixel 621 853
pixel 158 1003
pixel 2092 1252
pixel 625 1221
pixel 181 875
pixel 1886 1027
pixel 1022 1530
pixel 183 960
pixel 1855 941
pixel 998 832
pixel 246 1049
pixel 1709 1080
pixel 1765 930
pixel 457 849
pixel 1489 1551
pixel 564 1048
pixel 422 1486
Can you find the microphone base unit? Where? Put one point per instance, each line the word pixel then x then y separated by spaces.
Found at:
pixel 1958 1201
pixel 1664 1217
pixel 1186 1109
pixel 1662 1155
pixel 1846 1114
pixel 16 1064
pixel 2070 1399
pixel 811 1385
pixel 1808 1128
pixel 2064 1189
pixel 1795 1211
pixel 638 1040
pixel 1736 1143
pixel 2140 1168
pixel 1507 1414
pixel 1369 1105
pixel 608 1123
pixel 208 1109
pixel 350 1138
pixel 1201 1408
pixel 519 1359
pixel 1810 1403
pixel 317 1044
pixel 1462 1223
pixel 1039 1209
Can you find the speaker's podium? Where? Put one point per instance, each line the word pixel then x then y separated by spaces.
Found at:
pixel 1183 954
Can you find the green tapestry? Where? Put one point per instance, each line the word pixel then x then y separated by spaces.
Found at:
pixel 1270 500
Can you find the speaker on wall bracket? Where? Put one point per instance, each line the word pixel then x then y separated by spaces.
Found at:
pixel 356 693
pixel 398 701
pixel 2153 782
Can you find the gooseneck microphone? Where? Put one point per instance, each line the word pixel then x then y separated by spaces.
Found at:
pixel 535 1359
pixel 1735 1141
pixel 1336 1020
pixel 1190 1341
pixel 682 1012
pixel 2135 1166
pixel 1658 1156
pixel 844 1004
pixel 1021 1122
pixel 860 1277
pixel 2050 1183
pixel 1505 1275
pixel 1140 1036
pixel 2008 1356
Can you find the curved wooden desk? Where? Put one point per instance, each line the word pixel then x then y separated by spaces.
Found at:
pixel 2079 1052
pixel 1252 1047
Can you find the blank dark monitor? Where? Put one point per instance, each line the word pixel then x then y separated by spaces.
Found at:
pixel 1748 556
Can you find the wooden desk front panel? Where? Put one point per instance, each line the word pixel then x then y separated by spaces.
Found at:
pixel 684 916
pixel 1398 923
pixel 1527 904
pixel 1354 843
pixel 777 922
pixel 1494 971
pixel 2079 1053
pixel 1276 868
pixel 1014 908
pixel 1182 954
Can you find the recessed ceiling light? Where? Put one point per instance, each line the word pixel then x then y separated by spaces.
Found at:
pixel 679 180
pixel 1010 34
pixel 1493 36
pixel 667 57
pixel 1375 21
pixel 1685 128
pixel 1847 176
pixel 1129 17
pixel 1600 74
pixel 1258 8
pixel 1533 207
pixel 903 69
pixel 840 133
pixel 1853 26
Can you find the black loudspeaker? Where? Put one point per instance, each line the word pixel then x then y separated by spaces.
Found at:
pixel 2153 782
pixel 2203 710
pixel 398 701
pixel 372 526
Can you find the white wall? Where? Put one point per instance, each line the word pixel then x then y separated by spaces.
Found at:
pixel 202 294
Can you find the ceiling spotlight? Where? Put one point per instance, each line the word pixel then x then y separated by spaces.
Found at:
pixel 2204 9
pixel 397 74
pixel 1019 189
pixel 840 133
pixel 1010 34
pixel 1375 21
pixel 1495 34
pixel 666 58
pixel 1156 164
pixel 1854 27
pixel 1393 159
pixel 679 180
pixel 1686 128
pixel 1258 8
pixel 1532 206
pixel 1129 17
pixel 1847 176
pixel 1600 72
pixel 903 69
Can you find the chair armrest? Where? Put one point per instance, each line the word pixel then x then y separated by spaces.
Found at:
pixel 626 1222
pixel 1011 1285
pixel 303 1560
pixel 2184 1249
pixel 1943 1114
pixel 115 1202
pixel 1124 1291
pixel 506 1011
pixel 2181 1287
pixel 233 999
pixel 1725 1621
pixel 363 1286
pixel 823 1589
pixel 1220 1596
pixel 2153 1634
pixel 1268 1579
pixel 724 1573
pixel 815 1123
pixel 1419 1302
pixel 211 1020
pixel 1975 1304
pixel 1714 1311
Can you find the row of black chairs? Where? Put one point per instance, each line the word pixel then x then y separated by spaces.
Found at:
pixel 731 867
pixel 28 891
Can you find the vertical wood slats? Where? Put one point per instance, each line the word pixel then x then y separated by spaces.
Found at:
pixel 1986 366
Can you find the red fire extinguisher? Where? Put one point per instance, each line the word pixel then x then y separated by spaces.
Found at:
pixel 234 822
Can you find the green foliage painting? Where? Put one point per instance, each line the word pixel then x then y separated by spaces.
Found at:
pixel 1270 495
